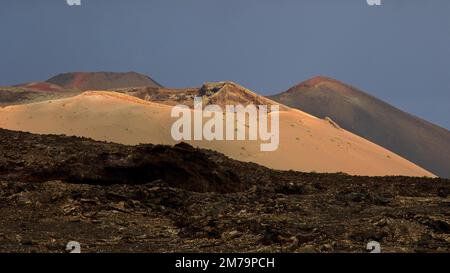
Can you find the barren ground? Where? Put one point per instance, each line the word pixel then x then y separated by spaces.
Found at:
pixel 117 198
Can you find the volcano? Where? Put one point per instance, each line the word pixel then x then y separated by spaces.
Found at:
pixel 413 138
pixel 101 80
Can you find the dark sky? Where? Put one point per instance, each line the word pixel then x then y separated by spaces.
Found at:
pixel 399 52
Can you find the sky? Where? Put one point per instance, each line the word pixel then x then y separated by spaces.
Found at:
pixel 399 51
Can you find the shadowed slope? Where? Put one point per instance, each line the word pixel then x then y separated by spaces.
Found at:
pixel 415 139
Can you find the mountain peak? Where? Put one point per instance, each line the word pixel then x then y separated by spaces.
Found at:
pixel 231 93
pixel 211 88
pixel 318 80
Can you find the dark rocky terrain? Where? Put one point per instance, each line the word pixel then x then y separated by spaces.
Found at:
pixel 152 198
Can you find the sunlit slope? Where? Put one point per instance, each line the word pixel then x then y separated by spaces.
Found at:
pixel 306 143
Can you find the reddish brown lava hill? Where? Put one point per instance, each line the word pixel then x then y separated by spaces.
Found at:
pixel 101 80
pixel 41 86
pixel 152 198
pixel 415 139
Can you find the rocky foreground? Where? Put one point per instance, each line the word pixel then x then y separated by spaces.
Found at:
pixel 152 198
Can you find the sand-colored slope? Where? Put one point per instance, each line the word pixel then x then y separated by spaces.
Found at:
pixel 306 143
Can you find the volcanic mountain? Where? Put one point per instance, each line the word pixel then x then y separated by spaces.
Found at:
pixel 101 80
pixel 70 84
pixel 415 139
pixel 306 143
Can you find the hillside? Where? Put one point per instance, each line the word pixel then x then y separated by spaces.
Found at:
pixel 415 139
pixel 306 143
pixel 101 80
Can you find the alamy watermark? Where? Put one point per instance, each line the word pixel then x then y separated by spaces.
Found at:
pixel 233 118
pixel 374 2
pixel 73 2
pixel 374 247
pixel 369 2
pixel 73 247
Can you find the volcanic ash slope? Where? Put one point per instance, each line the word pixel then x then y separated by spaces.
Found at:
pixel 306 142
